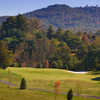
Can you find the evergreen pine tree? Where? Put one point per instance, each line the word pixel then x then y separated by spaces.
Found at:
pixel 50 32
pixel 23 84
pixel 70 95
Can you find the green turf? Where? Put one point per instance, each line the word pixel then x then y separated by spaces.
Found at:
pixel 45 79
pixel 16 94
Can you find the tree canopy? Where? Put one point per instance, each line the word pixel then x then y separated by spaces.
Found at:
pixel 34 46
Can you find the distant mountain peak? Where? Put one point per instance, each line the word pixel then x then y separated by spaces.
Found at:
pixel 59 5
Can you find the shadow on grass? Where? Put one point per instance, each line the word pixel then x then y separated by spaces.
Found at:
pixel 95 73
pixel 96 79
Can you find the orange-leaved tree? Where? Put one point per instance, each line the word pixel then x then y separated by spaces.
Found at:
pixel 47 64
pixel 57 86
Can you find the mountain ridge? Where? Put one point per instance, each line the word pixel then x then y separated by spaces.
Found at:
pixel 74 18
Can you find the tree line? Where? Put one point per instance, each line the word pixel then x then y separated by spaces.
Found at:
pixel 25 43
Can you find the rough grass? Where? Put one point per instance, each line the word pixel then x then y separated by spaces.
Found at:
pixel 45 79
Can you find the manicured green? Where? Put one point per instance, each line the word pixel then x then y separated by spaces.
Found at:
pixel 45 79
pixel 16 94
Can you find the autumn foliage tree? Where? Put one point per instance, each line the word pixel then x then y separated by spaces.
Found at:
pixel 5 55
pixel 46 64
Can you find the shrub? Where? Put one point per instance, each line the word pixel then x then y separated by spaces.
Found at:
pixel 56 86
pixel 23 84
pixel 70 95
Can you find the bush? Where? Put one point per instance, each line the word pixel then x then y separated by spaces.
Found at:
pixel 23 84
pixel 70 95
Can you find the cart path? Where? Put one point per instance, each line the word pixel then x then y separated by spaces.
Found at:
pixel 49 91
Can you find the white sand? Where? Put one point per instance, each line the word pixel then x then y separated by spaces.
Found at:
pixel 81 72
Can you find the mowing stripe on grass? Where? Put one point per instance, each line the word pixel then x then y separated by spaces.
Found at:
pixel 49 91
pixel 8 83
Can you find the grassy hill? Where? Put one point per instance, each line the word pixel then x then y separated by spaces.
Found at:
pixel 44 79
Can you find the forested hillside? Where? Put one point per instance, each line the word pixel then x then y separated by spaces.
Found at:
pixel 74 18
pixel 29 45
pixel 77 19
pixel 3 18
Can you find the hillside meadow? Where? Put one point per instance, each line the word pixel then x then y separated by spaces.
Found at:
pixel 44 79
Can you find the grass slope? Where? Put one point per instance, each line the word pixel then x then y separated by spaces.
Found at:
pixel 45 79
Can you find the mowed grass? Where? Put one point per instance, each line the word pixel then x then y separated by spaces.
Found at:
pixel 44 79
pixel 16 94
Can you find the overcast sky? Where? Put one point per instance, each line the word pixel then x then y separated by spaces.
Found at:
pixel 13 7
